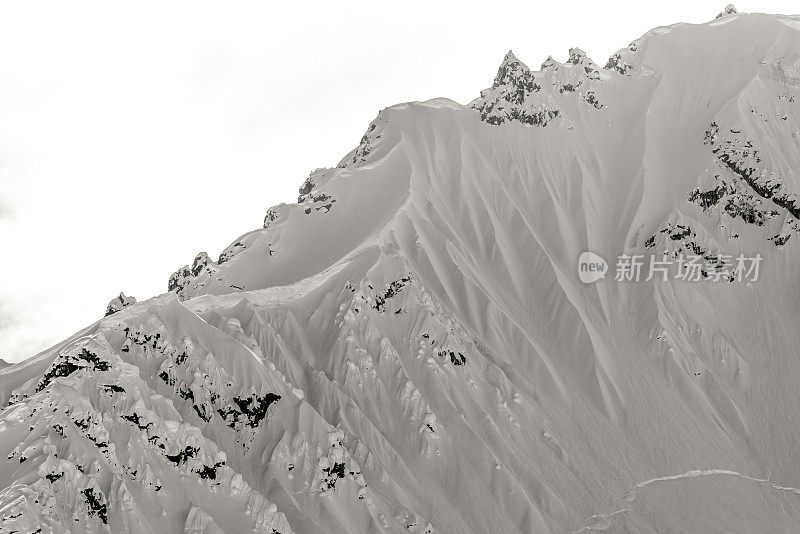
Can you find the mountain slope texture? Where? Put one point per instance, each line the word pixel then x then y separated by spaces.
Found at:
pixel 409 348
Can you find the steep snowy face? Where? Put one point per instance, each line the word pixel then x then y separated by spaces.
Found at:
pixel 409 348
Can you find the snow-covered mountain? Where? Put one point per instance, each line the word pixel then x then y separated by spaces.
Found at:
pixel 409 348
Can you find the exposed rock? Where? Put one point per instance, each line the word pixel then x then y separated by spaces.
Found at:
pixel 189 274
pixel 117 303
pixel 730 9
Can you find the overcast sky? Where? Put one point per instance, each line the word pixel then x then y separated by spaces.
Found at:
pixel 135 134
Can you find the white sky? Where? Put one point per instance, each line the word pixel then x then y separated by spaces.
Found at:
pixel 135 134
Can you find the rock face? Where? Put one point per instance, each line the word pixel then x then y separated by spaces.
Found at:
pixel 730 9
pixel 421 356
pixel 117 303
pixel 537 98
pixel 189 277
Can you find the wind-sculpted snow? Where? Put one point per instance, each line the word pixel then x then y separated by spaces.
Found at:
pixel 409 348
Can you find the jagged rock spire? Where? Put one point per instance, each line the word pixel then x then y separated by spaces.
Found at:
pixel 117 303
pixel 730 9
pixel 510 97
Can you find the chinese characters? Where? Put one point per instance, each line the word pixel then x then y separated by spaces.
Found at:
pixel 688 268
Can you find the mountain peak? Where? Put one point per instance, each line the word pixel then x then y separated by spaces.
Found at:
pixel 509 58
pixel 576 55
pixel 413 347
pixel 548 63
pixel 511 70
pixel 117 303
pixel 514 96
pixel 730 9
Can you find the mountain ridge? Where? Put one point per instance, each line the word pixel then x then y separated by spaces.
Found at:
pixel 409 347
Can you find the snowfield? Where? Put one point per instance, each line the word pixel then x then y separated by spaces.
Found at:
pixel 409 348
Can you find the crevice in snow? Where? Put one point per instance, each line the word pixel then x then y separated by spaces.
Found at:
pixel 630 494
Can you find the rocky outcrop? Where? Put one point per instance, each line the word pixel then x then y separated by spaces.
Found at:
pixel 117 303
pixel 191 275
pixel 730 9
pixel 537 98
pixel 510 96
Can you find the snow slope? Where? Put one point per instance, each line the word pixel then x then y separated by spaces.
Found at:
pixel 409 347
